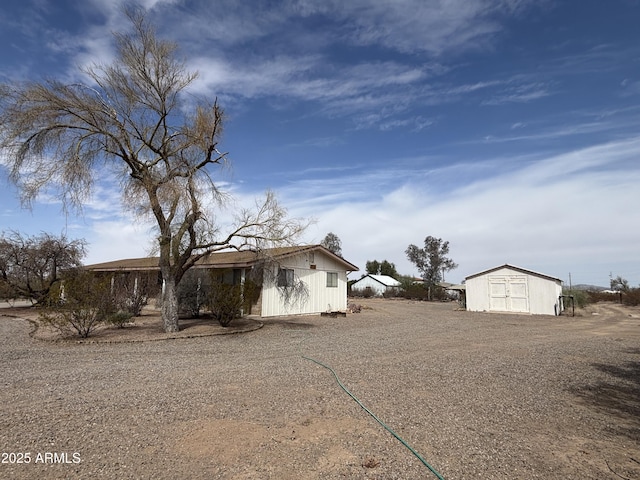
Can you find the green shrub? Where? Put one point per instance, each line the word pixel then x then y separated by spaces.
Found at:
pixel 131 292
pixel 250 295
pixel 391 293
pixel 192 293
pixel 415 291
pixel 225 302
pixel 119 318
pixel 581 298
pixel 80 303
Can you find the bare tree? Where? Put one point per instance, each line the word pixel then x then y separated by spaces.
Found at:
pixel 431 261
pixel 619 284
pixel 134 117
pixel 30 265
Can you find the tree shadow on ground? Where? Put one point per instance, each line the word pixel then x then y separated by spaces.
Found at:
pixel 288 324
pixel 618 395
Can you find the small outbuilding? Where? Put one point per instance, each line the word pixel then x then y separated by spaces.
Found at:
pixel 376 284
pixel 513 289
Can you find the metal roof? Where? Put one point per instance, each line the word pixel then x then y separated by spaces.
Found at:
pixel 518 269
pixel 385 280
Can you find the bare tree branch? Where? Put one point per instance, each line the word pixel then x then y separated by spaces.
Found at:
pixel 133 119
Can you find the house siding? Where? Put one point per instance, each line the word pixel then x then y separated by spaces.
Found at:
pixel 310 268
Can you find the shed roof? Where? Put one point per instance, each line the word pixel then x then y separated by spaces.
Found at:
pixel 518 269
pixel 226 259
pixel 385 280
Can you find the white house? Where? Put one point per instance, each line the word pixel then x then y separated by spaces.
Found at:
pixel 290 280
pixel 378 284
pixel 322 273
pixel 513 289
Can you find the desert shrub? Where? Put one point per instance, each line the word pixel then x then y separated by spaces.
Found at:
pixel 131 292
pixel 415 291
pixel 7 292
pixel 439 294
pixel 78 304
pixel 632 297
pixel 391 292
pixel 250 295
pixel 366 292
pixel 119 318
pixel 581 298
pixel 192 293
pixel 225 302
pixel 597 296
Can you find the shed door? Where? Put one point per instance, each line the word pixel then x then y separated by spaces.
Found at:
pixel 498 294
pixel 519 294
pixel 508 294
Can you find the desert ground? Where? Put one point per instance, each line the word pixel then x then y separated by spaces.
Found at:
pixel 476 395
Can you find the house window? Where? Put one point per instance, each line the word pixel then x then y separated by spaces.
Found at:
pixel 285 277
pixel 332 279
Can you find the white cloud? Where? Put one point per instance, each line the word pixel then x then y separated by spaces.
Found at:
pixel 113 240
pixel 575 212
pixel 572 212
pixel 415 25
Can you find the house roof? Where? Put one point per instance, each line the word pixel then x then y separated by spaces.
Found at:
pixel 452 286
pixel 226 259
pixel 512 267
pixel 385 280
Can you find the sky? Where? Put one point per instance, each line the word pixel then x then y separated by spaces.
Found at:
pixel 509 128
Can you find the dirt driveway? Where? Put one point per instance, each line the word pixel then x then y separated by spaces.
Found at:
pixel 477 395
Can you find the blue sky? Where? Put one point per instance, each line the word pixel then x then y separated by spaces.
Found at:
pixel 509 128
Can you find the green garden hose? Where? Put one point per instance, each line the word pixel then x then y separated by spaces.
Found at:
pixel 424 462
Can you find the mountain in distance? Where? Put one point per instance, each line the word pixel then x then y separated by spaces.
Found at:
pixel 591 288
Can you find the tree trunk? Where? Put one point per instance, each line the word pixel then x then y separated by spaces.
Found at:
pixel 170 306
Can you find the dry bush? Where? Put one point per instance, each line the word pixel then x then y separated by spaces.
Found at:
pixel 225 302
pixel 193 292
pixel 632 297
pixel 79 304
pixel 581 298
pixel 362 292
pixel 415 291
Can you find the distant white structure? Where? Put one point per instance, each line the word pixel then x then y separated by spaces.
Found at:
pixel 513 289
pixel 378 284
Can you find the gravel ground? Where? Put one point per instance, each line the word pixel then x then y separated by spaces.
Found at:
pixel 479 396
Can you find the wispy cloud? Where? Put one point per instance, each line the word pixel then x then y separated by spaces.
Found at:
pixel 519 94
pixel 540 217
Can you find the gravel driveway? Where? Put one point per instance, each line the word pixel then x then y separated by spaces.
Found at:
pixel 479 396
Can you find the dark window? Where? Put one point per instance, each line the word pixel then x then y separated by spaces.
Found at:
pixel 332 279
pixel 285 277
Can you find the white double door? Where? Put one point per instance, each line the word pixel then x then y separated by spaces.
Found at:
pixel 508 293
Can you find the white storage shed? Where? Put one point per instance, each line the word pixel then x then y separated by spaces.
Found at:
pixel 513 289
pixel 377 284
